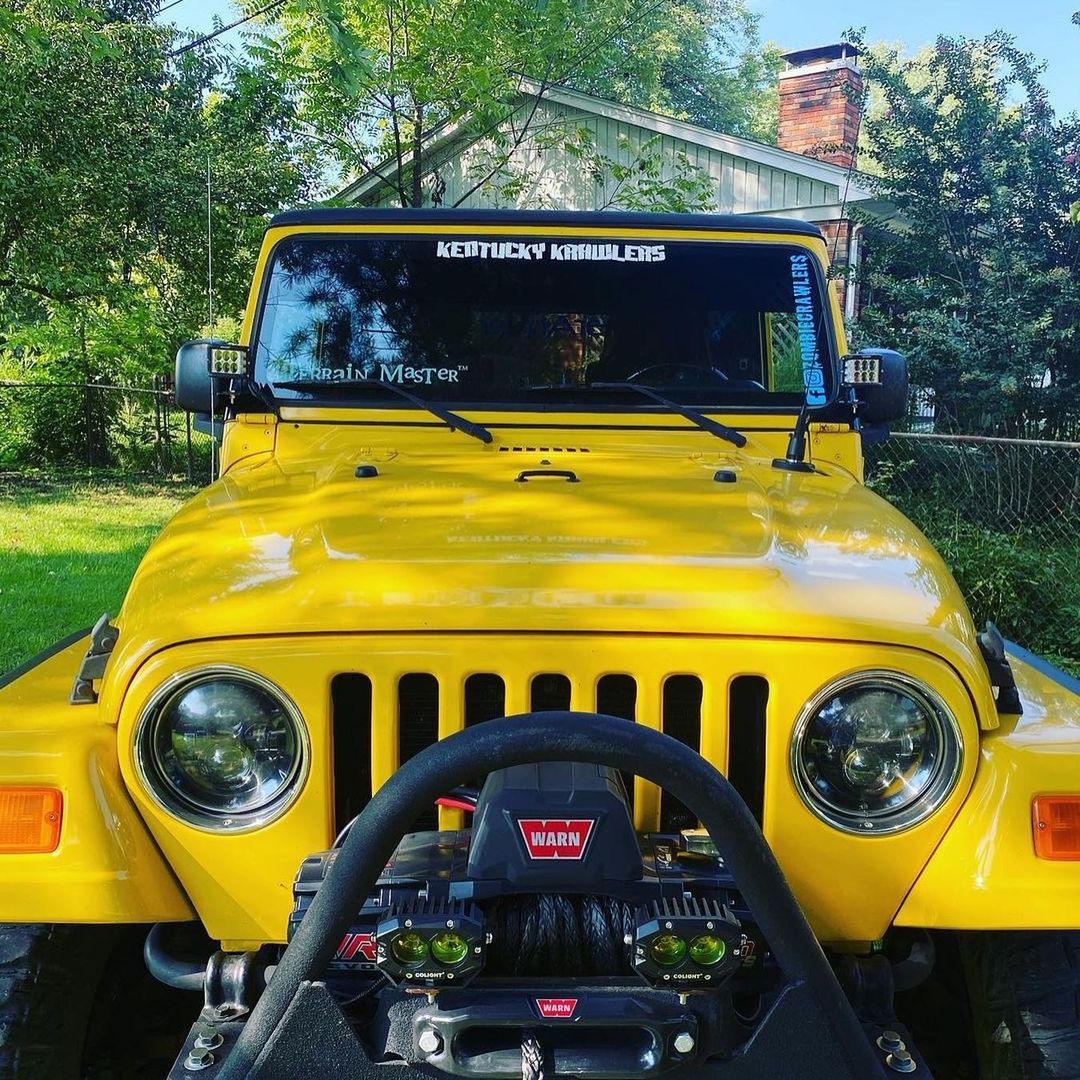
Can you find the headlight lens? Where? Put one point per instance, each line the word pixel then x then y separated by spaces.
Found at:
pixel 876 752
pixel 223 748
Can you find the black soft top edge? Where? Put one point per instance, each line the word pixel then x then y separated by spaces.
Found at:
pixel 588 218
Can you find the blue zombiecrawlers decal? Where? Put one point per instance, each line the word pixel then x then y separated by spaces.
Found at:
pixel 813 370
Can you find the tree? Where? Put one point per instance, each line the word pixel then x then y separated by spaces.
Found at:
pixel 979 281
pixel 103 151
pixel 373 79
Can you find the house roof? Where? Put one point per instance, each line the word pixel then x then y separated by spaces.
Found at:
pixel 734 145
pixel 613 219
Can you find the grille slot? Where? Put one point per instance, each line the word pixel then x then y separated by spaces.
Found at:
pixel 418 725
pixel 748 699
pixel 616 695
pixel 550 692
pixel 485 698
pixel 351 697
pixel 681 712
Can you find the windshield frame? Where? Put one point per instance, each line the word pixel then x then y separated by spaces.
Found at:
pixel 553 399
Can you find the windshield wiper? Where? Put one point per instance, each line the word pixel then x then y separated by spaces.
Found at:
pixel 451 419
pixel 714 427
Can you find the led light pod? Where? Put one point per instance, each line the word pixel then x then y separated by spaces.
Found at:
pixel 436 944
pixel 667 950
pixel 449 948
pixel 686 943
pixel 707 949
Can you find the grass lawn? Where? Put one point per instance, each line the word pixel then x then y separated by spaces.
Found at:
pixel 67 553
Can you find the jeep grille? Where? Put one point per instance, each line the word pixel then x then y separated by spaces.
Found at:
pixel 421 699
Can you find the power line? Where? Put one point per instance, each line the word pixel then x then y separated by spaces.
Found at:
pixel 167 6
pixel 223 29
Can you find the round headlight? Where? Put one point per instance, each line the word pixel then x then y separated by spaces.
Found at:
pixel 222 748
pixel 875 752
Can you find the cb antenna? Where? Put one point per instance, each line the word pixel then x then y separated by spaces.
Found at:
pixel 210 303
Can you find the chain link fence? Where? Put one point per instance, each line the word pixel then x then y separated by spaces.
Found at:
pixel 133 431
pixel 1005 515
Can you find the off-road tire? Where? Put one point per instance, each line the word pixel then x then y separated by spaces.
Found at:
pixel 49 978
pixel 1024 989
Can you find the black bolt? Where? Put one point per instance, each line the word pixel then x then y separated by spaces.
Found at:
pixel 366 472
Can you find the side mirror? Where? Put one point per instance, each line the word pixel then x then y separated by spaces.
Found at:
pixel 202 362
pixel 880 380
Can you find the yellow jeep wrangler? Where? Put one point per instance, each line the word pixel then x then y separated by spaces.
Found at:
pixel 539 691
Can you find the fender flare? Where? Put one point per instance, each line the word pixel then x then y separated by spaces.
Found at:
pixel 107 867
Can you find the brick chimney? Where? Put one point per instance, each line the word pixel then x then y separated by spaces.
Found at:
pixel 821 103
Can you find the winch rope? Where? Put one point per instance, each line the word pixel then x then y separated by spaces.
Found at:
pixel 548 934
pixel 532 1057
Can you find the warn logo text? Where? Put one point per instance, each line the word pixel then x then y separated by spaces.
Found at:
pixel 556 1008
pixel 556 838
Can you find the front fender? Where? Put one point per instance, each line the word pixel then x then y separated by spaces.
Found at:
pixel 107 868
pixel 984 875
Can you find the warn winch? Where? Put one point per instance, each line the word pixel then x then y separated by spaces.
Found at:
pixel 550 880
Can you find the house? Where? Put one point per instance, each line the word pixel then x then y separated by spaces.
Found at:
pixel 562 149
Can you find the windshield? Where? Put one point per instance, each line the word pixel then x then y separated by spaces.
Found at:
pixel 496 320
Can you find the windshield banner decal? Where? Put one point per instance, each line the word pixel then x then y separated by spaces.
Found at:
pixel 514 249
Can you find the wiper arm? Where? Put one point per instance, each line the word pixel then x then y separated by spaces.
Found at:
pixel 451 419
pixel 714 427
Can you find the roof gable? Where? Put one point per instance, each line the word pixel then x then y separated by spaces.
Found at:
pixel 454 138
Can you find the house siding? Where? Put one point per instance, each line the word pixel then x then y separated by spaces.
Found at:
pixel 546 177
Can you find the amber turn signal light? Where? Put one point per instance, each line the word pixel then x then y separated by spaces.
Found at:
pixel 30 819
pixel 1055 821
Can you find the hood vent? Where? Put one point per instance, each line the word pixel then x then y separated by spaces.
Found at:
pixel 544 449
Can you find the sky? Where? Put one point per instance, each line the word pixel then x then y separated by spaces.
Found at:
pixel 1042 27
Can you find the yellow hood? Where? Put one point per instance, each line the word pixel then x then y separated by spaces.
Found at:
pixel 446 538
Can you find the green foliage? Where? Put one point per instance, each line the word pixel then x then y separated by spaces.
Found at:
pixel 979 283
pixel 104 144
pixel 1008 525
pixel 377 83
pixel 698 60
pixel 653 179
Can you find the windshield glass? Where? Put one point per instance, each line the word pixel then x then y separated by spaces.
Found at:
pixel 478 320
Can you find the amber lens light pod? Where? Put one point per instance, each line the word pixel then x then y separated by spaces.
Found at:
pixel 30 819
pixel 410 948
pixel 1055 823
pixel 449 948
pixel 707 949
pixel 431 943
pixel 668 949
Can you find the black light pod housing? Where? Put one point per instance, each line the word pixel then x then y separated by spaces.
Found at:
pixel 686 943
pixel 439 944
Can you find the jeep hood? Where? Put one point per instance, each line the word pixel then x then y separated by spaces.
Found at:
pixel 643 542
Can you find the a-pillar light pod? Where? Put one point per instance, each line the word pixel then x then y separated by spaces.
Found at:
pixel 418 947
pixel 686 944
